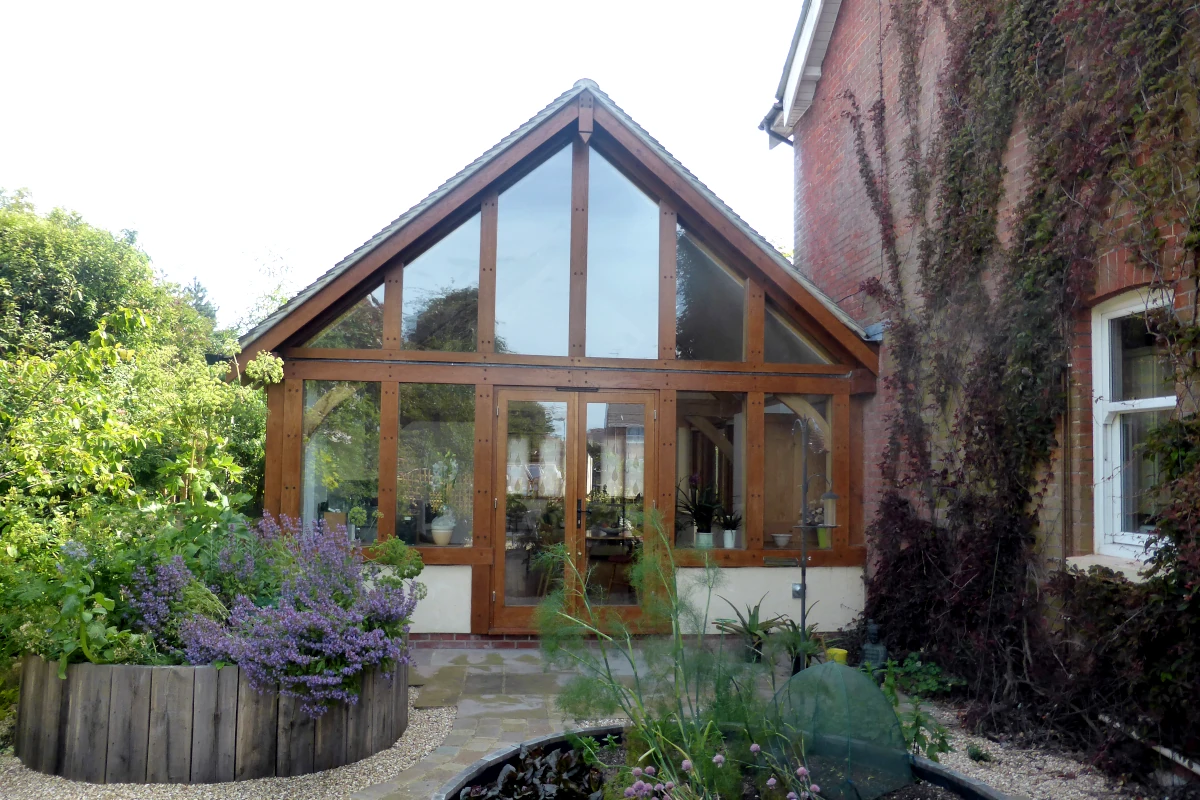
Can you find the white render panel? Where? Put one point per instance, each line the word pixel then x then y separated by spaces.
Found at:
pixel 447 605
pixel 836 595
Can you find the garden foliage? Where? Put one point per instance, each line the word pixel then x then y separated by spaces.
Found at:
pixel 980 335
pixel 131 471
pixel 704 718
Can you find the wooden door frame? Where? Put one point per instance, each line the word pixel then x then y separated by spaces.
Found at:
pixel 518 619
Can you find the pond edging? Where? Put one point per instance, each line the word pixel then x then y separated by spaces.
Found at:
pixel 143 724
pixel 478 772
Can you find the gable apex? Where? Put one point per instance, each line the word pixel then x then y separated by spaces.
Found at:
pixel 272 331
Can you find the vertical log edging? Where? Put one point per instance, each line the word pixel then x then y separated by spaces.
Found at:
pixel 137 724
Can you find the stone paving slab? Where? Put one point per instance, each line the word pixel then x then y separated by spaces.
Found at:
pixel 503 697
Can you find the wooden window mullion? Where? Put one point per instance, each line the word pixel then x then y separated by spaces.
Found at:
pixel 667 431
pixel 667 281
pixel 488 216
pixel 755 468
pixel 579 246
pixel 755 315
pixel 273 457
pixel 389 434
pixel 293 447
pixel 840 423
pixel 393 305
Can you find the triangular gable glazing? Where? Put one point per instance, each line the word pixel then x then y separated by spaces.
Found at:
pixel 360 328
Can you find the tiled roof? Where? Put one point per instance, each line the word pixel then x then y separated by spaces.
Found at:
pixel 582 85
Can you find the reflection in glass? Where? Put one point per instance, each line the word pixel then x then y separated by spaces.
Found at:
pixel 614 505
pixel 784 344
pixel 341 456
pixel 709 304
pixel 710 452
pixel 798 445
pixel 435 464
pixel 534 498
pixel 622 266
pixel 533 261
pixel 1139 362
pixel 441 293
pixel 1140 495
pixel 360 328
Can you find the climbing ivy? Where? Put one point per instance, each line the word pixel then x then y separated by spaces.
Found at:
pixel 980 333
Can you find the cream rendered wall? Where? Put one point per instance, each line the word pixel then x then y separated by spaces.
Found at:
pixel 835 594
pixel 447 606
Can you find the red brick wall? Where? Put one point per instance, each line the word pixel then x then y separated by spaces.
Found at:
pixel 837 244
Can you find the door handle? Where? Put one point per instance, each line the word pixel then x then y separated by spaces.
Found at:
pixel 578 514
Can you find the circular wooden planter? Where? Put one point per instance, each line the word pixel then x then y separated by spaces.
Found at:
pixel 133 724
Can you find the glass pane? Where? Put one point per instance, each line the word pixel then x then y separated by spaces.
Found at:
pixel 435 464
pixel 1140 497
pixel 535 497
pixel 615 498
pixel 709 304
pixel 360 328
pixel 533 261
pixel 710 451
pixel 784 344
pixel 341 456
pixel 1139 363
pixel 441 293
pixel 799 469
pixel 622 268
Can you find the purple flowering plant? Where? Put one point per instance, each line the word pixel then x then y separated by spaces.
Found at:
pixel 335 616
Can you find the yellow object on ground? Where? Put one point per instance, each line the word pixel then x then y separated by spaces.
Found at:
pixel 837 654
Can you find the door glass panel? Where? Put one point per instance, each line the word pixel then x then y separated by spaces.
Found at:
pixel 360 328
pixel 340 485
pixel 614 504
pixel 710 452
pixel 1139 362
pixel 533 261
pixel 441 293
pixel 709 304
pixel 622 266
pixel 534 499
pixel 435 464
pixel 1140 495
pixel 798 448
pixel 784 344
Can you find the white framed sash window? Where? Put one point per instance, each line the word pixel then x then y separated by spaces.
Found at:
pixel 1133 391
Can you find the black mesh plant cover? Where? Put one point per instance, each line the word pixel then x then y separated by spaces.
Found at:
pixel 847 730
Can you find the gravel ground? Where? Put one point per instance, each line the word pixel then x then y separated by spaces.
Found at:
pixel 1038 773
pixel 427 729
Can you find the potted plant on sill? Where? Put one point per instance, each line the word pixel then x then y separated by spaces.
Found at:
pixel 701 505
pixel 442 479
pixel 729 521
pixel 751 627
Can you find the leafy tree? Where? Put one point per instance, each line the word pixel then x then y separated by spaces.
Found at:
pixel 59 276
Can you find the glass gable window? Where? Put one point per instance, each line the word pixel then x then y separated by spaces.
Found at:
pixel 533 261
pixel 709 305
pixel 435 464
pixel 622 266
pixel 441 294
pixel 340 485
pixel 360 328
pixel 710 469
pixel 798 449
pixel 783 343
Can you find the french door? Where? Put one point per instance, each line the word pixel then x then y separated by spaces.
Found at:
pixel 573 472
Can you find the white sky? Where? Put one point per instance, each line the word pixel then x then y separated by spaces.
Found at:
pixel 231 136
